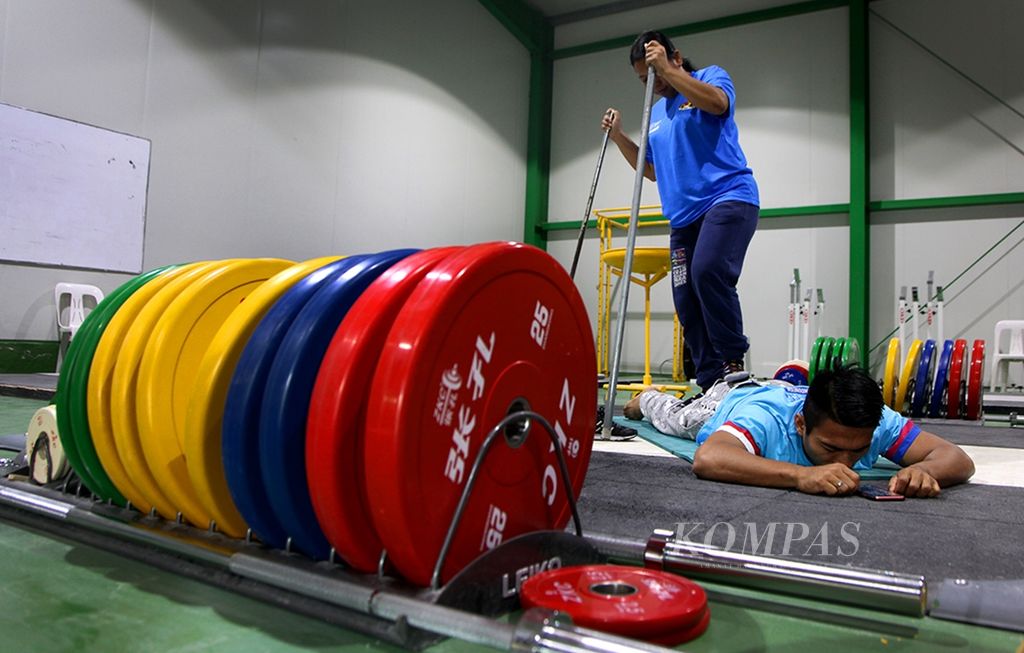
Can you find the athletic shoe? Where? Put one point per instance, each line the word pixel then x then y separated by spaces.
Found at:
pixel 619 433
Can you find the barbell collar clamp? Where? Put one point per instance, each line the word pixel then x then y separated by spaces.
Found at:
pixel 876 590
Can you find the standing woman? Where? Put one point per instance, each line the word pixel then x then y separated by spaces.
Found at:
pixel 708 194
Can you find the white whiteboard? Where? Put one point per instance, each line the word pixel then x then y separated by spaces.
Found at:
pixel 71 195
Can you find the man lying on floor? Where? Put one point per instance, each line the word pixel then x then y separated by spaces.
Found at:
pixel 812 438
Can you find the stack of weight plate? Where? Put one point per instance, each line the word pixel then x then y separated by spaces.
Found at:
pixel 933 383
pixel 828 352
pixel 338 403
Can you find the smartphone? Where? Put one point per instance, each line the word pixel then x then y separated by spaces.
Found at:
pixel 877 493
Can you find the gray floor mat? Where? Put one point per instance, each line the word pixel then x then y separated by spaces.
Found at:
pixel 969 531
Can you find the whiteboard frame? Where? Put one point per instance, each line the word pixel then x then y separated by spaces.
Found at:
pixel 53 168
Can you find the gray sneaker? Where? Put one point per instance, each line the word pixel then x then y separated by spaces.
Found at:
pixel 692 415
pixel 618 433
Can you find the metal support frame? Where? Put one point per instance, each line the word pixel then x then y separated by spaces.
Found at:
pixel 608 221
pixel 411 617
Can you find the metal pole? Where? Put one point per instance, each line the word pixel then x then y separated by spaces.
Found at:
pixel 795 285
pixel 930 303
pixel 896 593
pixel 819 312
pixel 901 317
pixel 915 308
pixel 805 326
pixel 627 266
pixel 877 590
pixel 793 321
pixel 590 204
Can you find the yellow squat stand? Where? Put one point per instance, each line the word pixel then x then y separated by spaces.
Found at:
pixel 650 265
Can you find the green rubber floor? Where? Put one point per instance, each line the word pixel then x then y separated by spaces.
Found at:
pixel 58 596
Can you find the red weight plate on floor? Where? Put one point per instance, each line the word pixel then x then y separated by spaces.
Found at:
pixel 337 410
pixel 491 330
pixel 956 376
pixel 688 634
pixel 974 379
pixel 636 602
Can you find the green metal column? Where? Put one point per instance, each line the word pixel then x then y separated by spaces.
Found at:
pixel 538 143
pixel 860 255
pixel 533 31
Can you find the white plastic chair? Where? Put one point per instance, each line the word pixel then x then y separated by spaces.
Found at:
pixel 1001 358
pixel 73 302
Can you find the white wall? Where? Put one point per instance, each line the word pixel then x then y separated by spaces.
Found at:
pixel 932 134
pixel 936 134
pixel 288 128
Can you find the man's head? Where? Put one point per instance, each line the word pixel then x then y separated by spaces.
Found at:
pixel 638 53
pixel 842 410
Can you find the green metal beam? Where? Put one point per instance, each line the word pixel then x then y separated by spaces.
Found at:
pixel 785 11
pixel 796 211
pixel 523 22
pixel 860 191
pixel 538 36
pixel 877 206
pixel 820 209
pixel 948 202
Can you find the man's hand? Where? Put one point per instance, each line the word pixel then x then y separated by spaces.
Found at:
pixel 611 122
pixel 835 479
pixel 914 482
pixel 655 55
pixel 632 409
pixel 931 463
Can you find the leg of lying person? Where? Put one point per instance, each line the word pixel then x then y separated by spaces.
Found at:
pixel 679 417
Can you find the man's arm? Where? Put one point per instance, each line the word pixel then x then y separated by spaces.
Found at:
pixel 612 122
pixel 702 95
pixel 723 458
pixel 931 463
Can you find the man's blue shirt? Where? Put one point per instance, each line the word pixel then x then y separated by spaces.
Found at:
pixel 761 418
